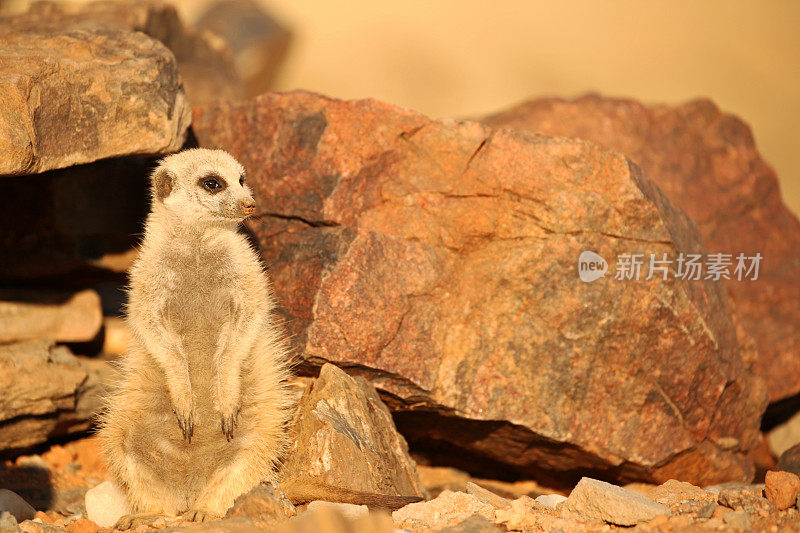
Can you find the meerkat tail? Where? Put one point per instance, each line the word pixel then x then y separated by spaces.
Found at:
pixel 300 492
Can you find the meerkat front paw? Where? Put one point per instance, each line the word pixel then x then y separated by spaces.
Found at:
pixel 185 415
pixel 197 515
pixel 228 422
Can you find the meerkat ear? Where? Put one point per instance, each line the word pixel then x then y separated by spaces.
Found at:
pixel 162 183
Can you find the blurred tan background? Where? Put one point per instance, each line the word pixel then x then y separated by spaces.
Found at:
pixel 459 58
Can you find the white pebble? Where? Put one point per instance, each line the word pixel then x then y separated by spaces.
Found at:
pixel 550 500
pixel 105 504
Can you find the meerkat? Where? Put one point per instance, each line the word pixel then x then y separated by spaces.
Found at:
pixel 197 415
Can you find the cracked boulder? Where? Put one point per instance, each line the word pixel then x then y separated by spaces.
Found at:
pixel 706 162
pixel 47 392
pixel 439 259
pixel 76 96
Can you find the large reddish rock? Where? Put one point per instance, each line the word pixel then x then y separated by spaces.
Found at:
pixel 707 164
pixel 439 260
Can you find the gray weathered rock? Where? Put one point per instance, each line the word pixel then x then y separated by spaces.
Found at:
pixel 47 392
pixel 343 436
pixel 592 498
pixel 73 97
pixel 14 504
pixel 63 317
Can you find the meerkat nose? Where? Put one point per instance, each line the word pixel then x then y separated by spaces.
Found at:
pixel 249 205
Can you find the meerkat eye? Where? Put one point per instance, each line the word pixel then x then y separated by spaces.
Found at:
pixel 212 184
pixel 241 180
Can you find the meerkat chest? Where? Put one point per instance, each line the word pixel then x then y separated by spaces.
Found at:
pixel 203 293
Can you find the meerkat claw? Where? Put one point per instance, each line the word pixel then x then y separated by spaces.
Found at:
pixel 186 423
pixel 228 423
pixel 196 515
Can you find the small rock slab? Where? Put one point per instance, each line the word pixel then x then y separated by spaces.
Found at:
pixel 682 497
pixel 73 97
pixel 593 498
pixel 264 502
pixel 343 437
pixel 64 317
pixel 106 503
pixel 446 510
pixel 747 497
pixel 782 488
pixel 47 392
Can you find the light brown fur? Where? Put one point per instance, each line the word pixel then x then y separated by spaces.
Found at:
pixel 197 415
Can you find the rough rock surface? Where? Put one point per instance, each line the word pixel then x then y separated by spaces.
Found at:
pixel 447 509
pixel 76 96
pixel 682 497
pixel 343 436
pixel 782 488
pixel 88 217
pixel 439 259
pixel 63 317
pixel 705 161
pixel 204 61
pixel 598 499
pixel 47 392
pixel 748 497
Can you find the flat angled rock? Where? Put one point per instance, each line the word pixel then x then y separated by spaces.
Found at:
pixel 592 498
pixel 73 97
pixel 343 437
pixel 706 162
pixel 439 259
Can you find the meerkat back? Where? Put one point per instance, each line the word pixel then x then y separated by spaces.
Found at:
pixel 197 414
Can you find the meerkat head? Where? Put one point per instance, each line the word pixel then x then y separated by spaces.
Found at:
pixel 202 184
